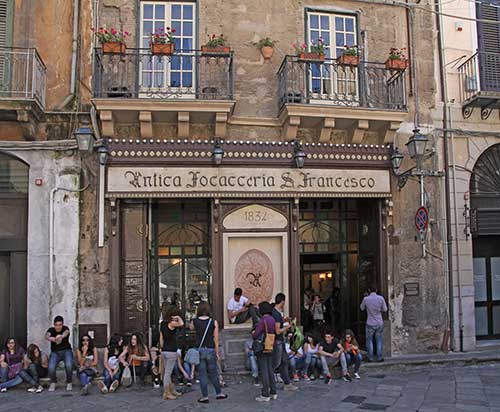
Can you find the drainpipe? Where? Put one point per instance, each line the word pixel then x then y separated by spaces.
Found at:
pixel 72 87
pixel 446 159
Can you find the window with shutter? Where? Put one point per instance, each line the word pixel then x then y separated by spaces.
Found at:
pixel 6 11
pixel 489 44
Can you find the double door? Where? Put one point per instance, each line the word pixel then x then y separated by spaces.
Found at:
pixel 487 296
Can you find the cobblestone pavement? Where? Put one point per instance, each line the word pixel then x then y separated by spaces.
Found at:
pixel 444 389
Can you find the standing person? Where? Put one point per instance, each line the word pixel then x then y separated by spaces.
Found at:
pixel 331 353
pixel 280 357
pixel 11 367
pixel 240 309
pixel 136 355
pixel 207 342
pixel 352 352
pixel 87 358
pixel 374 305
pixel 318 314
pixel 60 351
pixel 168 345
pixel 266 325
pixel 251 361
pixel 112 370
pixel 37 365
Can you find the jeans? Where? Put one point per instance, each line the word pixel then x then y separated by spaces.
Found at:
pixel 37 372
pixel 140 370
pixel 86 376
pixel 356 359
pixel 281 361
pixel 208 369
pixel 169 362
pixel 108 380
pixel 65 356
pixel 327 360
pixel 178 373
pixel 267 371
pixel 311 363
pixel 251 364
pixel 378 332
pixel 251 313
pixel 297 364
pixel 22 376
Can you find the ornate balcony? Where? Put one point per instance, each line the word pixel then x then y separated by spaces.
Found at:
pixel 326 94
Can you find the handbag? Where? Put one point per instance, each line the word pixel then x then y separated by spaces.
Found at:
pixel 193 355
pixel 265 343
pixel 14 370
pixel 126 377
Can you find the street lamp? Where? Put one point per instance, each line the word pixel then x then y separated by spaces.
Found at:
pixel 103 154
pixel 298 154
pixel 416 145
pixel 218 153
pixel 85 138
pixel 396 159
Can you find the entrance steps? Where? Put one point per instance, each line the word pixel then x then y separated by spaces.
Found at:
pixel 233 343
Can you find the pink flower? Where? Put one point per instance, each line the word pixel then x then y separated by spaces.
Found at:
pixel 173 30
pixel 304 45
pixel 126 33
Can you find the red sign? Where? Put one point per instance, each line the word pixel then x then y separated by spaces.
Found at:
pixel 422 219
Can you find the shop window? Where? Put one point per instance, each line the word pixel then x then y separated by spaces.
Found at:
pixel 13 176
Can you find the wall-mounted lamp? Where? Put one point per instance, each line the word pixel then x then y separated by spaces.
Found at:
pixel 298 154
pixel 85 138
pixel 218 153
pixel 103 154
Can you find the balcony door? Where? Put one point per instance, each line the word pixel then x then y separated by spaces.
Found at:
pixel 489 44
pixel 168 76
pixel 329 81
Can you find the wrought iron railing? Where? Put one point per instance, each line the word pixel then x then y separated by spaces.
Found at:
pixel 22 75
pixel 479 73
pixel 187 74
pixel 368 85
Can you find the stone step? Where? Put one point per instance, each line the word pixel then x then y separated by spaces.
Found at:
pixel 233 342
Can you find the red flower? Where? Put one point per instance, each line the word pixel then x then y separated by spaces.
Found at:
pixel 126 33
pixel 173 30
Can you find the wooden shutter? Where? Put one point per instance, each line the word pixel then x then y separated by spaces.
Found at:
pixel 6 15
pixel 489 45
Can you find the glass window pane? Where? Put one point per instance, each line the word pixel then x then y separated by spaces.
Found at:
pixel 325 22
pixel 148 11
pixel 339 39
pixel 326 38
pixel 314 35
pixel 158 80
pixel 349 25
pixel 175 79
pixel 176 11
pixel 146 79
pixel 159 25
pixel 339 23
pixel 13 175
pixel 481 321
pixel 495 278
pixel 145 42
pixel 187 63
pixel 188 12
pixel 147 28
pixel 187 79
pixel 480 279
pixel 349 39
pixel 175 63
pixel 187 44
pixel 159 11
pixel 187 28
pixel 314 21
pixel 496 320
pixel 170 271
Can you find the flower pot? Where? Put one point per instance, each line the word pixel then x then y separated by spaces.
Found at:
pixel 396 64
pixel 215 50
pixel 311 56
pixel 162 49
pixel 113 47
pixel 267 52
pixel 348 60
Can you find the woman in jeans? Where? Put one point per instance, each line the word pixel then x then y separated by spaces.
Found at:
pixel 112 370
pixel 352 352
pixel 207 340
pixel 168 344
pixel 266 324
pixel 86 356
pixel 36 364
pixel 11 367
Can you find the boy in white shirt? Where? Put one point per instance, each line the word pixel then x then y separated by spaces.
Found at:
pixel 240 309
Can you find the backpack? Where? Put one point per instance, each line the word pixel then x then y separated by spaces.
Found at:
pixel 297 339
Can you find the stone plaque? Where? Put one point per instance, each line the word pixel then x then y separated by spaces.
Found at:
pixel 255 217
pixel 412 289
pixel 255 275
pixel 245 182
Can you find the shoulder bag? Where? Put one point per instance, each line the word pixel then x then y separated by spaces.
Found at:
pixel 193 355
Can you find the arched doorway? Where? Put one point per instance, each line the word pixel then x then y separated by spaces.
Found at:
pixel 13 247
pixel 485 227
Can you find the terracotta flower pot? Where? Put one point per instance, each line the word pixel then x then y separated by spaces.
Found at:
pixel 348 60
pixel 215 50
pixel 267 52
pixel 396 64
pixel 311 56
pixel 162 49
pixel 114 47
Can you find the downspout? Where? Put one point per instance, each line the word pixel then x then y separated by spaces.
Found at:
pixel 449 236
pixel 74 54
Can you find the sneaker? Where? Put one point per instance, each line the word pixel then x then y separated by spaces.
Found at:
pixel 114 386
pixel 203 400
pixel 69 386
pixel 347 378
pixel 313 377
pixel 221 396
pixel 189 384
pixel 278 378
pixel 321 377
pixel 274 396
pixel 102 387
pixel 356 375
pixel 296 377
pixel 156 386
pixel 84 391
pixel 256 381
pixel 3 390
pixel 290 387
pixel 328 379
pixel 39 389
pixel 263 398
pixel 32 390
pixel 52 387
pixel 306 377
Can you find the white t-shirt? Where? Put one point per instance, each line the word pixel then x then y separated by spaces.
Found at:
pixel 234 306
pixel 299 353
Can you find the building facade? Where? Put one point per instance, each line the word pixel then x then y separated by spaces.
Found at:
pixel 230 170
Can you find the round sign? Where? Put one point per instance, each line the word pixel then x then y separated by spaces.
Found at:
pixel 421 219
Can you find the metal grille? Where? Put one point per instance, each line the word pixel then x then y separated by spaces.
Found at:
pixel 486 174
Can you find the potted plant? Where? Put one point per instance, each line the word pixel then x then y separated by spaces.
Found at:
pixel 349 56
pixel 112 40
pixel 316 50
pixel 162 42
pixel 215 45
pixel 397 59
pixel 266 47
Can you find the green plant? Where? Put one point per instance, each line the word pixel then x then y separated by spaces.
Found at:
pixel 110 36
pixel 163 36
pixel 397 54
pixel 216 41
pixel 266 42
pixel 318 46
pixel 350 50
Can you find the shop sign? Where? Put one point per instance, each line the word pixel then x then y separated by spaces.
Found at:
pixel 157 181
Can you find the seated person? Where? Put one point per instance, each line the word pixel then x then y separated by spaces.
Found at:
pixel 297 358
pixel 156 365
pixel 87 359
pixel 60 351
pixel 312 362
pixel 11 367
pixel 240 309
pixel 183 370
pixel 36 365
pixel 136 355
pixel 331 353
pixel 251 361
pixel 112 367
pixel 352 352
